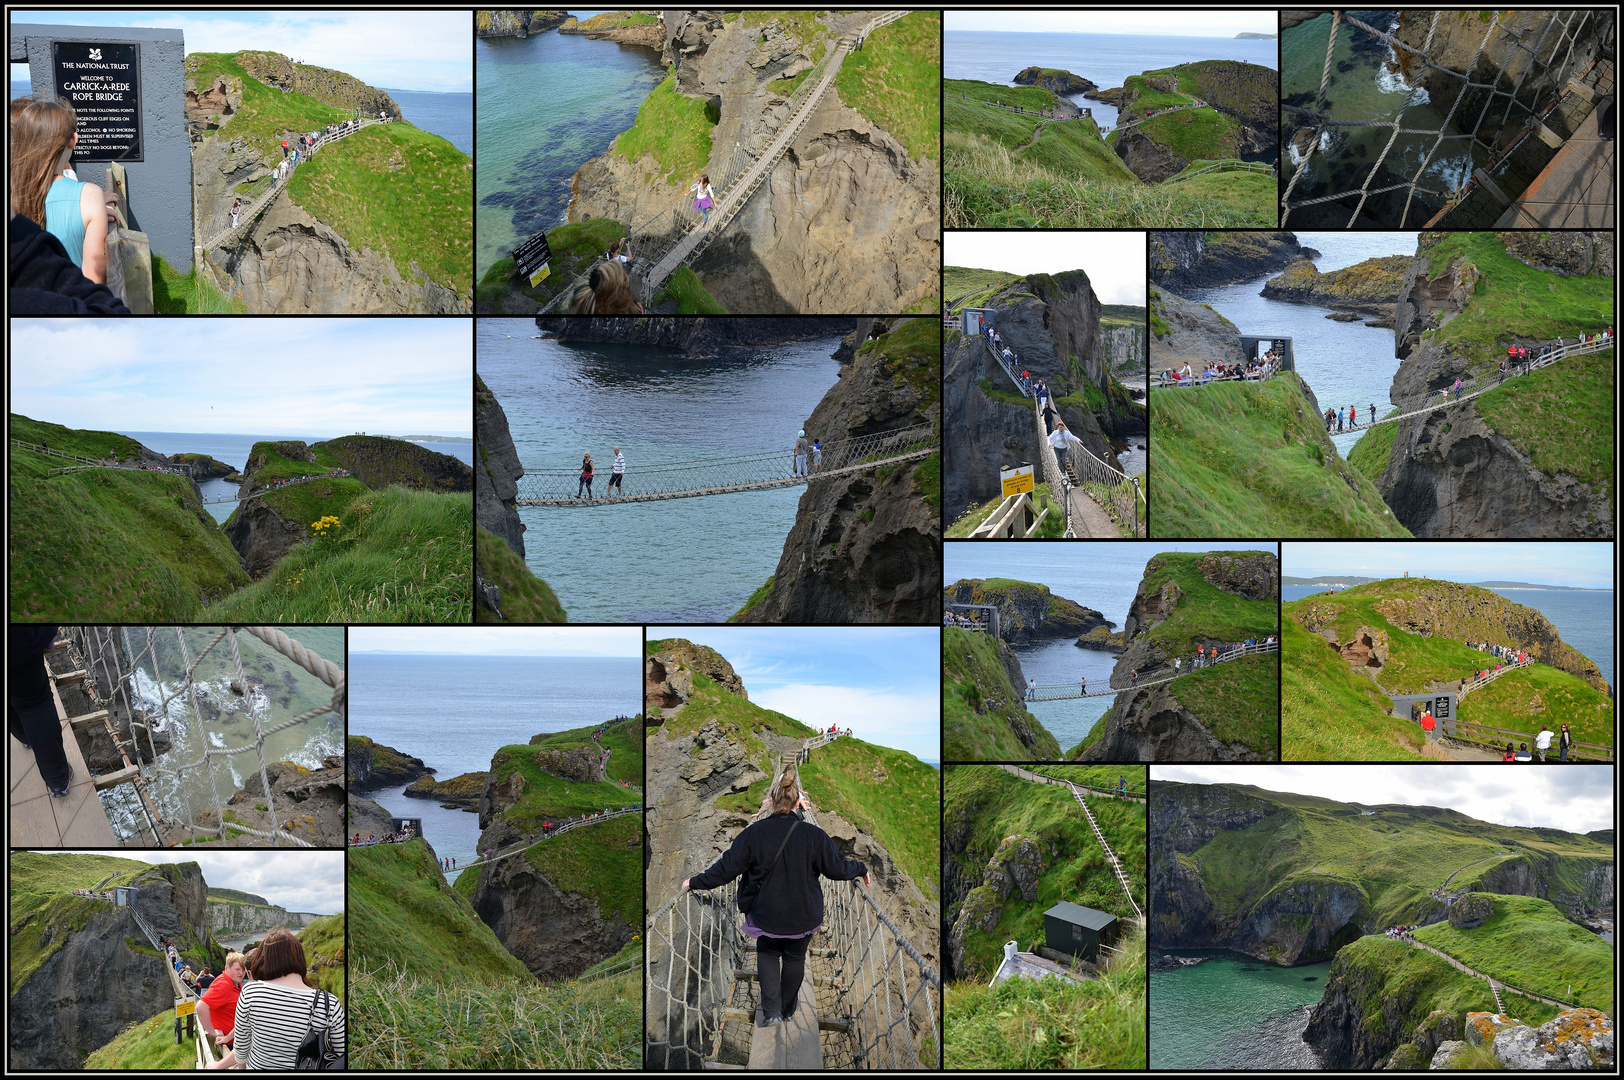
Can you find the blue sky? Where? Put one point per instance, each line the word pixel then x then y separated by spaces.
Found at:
pixel 882 682
pixel 501 640
pixel 298 880
pixel 406 50
pixel 1577 565
pixel 1223 24
pixel 314 376
pixel 1575 798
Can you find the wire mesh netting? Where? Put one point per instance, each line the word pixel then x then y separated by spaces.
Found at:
pixel 1431 118
pixel 171 695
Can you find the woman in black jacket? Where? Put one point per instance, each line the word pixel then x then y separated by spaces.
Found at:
pixel 780 860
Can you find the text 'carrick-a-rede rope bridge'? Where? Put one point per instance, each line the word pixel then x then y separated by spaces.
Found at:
pixel 1487 119
pixel 876 1003
pixel 724 474
pixel 142 695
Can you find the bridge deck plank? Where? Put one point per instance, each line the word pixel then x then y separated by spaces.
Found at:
pixel 38 820
pixel 793 1044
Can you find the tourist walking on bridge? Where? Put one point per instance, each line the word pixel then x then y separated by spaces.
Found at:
pixel 704 197
pixel 617 473
pixel 1057 439
pixel 778 862
pixel 236 209
pixel 279 1009
pixel 31 714
pixel 217 1008
pixel 800 453
pixel 586 477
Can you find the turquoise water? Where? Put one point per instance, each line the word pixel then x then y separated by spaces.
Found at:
pixel 546 105
pixel 1211 1014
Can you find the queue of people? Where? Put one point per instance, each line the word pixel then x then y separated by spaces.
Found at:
pixel 373 839
pixel 1252 370
pixel 964 622
pixel 1401 933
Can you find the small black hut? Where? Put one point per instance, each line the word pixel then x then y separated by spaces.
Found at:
pixel 1080 931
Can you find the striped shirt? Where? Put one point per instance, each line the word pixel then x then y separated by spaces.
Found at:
pixel 620 463
pixel 273 1020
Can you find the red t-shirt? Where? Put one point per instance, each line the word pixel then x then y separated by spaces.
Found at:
pixel 221 998
pixel 1427 723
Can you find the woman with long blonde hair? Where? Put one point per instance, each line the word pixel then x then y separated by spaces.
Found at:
pixel 43 135
pixel 608 291
pixel 778 861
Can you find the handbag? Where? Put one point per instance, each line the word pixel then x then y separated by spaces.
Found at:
pixel 313 1050
pixel 749 905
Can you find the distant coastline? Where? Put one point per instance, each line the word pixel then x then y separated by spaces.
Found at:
pixel 1348 581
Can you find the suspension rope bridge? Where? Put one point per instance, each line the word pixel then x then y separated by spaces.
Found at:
pixel 1447 402
pixel 1061 691
pixel 741 472
pixel 869 1000
pixel 525 845
pixel 109 662
pixel 183 994
pixel 1485 135
pixel 246 216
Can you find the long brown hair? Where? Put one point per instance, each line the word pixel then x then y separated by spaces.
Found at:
pixel 608 291
pixel 39 135
pixel 786 791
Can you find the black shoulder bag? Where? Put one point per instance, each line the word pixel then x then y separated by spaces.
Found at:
pixel 313 1051
pixel 748 904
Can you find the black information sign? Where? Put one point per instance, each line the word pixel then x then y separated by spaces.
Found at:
pixel 532 255
pixel 103 84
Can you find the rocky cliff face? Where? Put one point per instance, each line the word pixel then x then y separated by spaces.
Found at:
pixel 668 674
pixel 379 462
pixel 235 920
pixel 496 488
pixel 261 535
pixel 519 24
pixel 844 184
pixel 1028 612
pixel 865 546
pixel 333 87
pixel 613 26
pixel 372 765
pixel 95 985
pixel 1186 333
pixel 1569 254
pixel 1202 260
pixel 1152 724
pixel 696 337
pixel 309 802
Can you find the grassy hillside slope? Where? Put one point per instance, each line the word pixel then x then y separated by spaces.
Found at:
pixel 42 911
pixel 1528 944
pixel 1252 459
pixel 1329 712
pixel 1204 611
pixel 983 711
pixel 526 598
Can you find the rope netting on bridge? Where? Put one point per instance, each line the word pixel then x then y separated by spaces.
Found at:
pixel 722 474
pixel 1487 121
pixel 1062 691
pixel 125 677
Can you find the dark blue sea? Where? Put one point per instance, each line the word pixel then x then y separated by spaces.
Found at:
pixel 450 116
pixel 455 712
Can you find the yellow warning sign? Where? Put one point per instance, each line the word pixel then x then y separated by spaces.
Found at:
pixel 1016 480
pixel 541 272
pixel 185 1008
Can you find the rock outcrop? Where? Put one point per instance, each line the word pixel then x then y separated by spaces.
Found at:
pixel 496 490
pixel 1028 612
pixel 668 674
pixel 1244 96
pixel 1371 287
pixel 696 337
pixel 335 88
pixel 310 803
pixel 866 546
pixel 379 462
pixel 462 792
pixel 621 27
pixel 371 766
pixel 1204 260
pixel 1152 724
pixel 363 817
pixel 1063 83
pixel 1578 1039
pixel 519 24
pixel 1568 254
pixel 1186 333
pixel 844 184
pixel 235 920
pixel 261 535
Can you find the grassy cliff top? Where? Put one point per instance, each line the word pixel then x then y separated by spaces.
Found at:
pixel 962 281
pixel 889 794
pixel 982 709
pixel 1529 944
pixel 234 896
pixel 1204 611
pixel 911 352
pixel 403 913
pixel 380 461
pixel 43 912
pixel 623 738
pixel 1026 97
pixel 1329 712
pixel 1122 315
pixel 1561 417
pixel 575 247
pixel 1071 148
pixel 603 861
pixel 893 81
pixel 526 598
pixel 1252 459
pixel 983 806
pixel 83 443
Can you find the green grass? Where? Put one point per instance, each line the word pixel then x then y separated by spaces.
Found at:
pixel 146 1044
pixel 1329 712
pixel 893 80
pixel 888 794
pixel 1051 526
pixel 1195 134
pixel 761 593
pixel 305 504
pixel 575 247
pixel 324 940
pixel 1251 459
pixel 1238 701
pixel 624 738
pixel 961 281
pixel 405 1022
pixel 1235 192
pixel 402 912
pixel 526 598
pixel 1030 1025
pixel 1529 944
pixel 1560 417
pixel 1205 612
pixel 983 806
pixel 191 293
pixel 1520 700
pixel 110 545
pixel 928 481
pixel 42 909
pixel 690 294
pixel 1399 985
pixel 1374 450
pixel 547 797
pixel 982 710
pixel 598 862
pixel 88 444
pixel 674 129
pixel 1070 148
pixel 402 556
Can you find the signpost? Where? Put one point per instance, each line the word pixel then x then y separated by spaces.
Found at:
pixel 1016 479
pixel 185 1007
pixel 102 81
pixel 531 258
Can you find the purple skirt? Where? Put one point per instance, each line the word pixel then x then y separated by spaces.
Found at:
pixel 751 930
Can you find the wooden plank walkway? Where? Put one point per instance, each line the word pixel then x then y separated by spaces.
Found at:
pixel 1575 191
pixel 37 820
pixel 793 1044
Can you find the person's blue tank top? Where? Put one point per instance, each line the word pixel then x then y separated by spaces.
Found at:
pixel 63 218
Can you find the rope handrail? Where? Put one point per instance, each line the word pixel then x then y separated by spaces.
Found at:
pixel 1318 122
pixel 1059 691
pixel 1126 502
pixel 112 663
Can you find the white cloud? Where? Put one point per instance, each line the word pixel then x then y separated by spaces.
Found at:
pixel 901 721
pixel 501 640
pixel 311 881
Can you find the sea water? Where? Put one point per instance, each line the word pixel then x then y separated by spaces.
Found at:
pixel 1104 59
pixel 234 450
pixel 547 104
pixel 1231 1011
pixel 675 560
pixel 450 116
pixel 1343 363
pixel 1583 618
pixel 1102 576
pixel 455 712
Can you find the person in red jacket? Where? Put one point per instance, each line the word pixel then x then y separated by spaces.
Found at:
pixel 1429 725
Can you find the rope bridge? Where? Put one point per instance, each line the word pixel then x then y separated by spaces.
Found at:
pixel 111 657
pixel 526 845
pixel 1424 405
pixel 1498 137
pixel 183 993
pixel 740 472
pixel 1061 691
